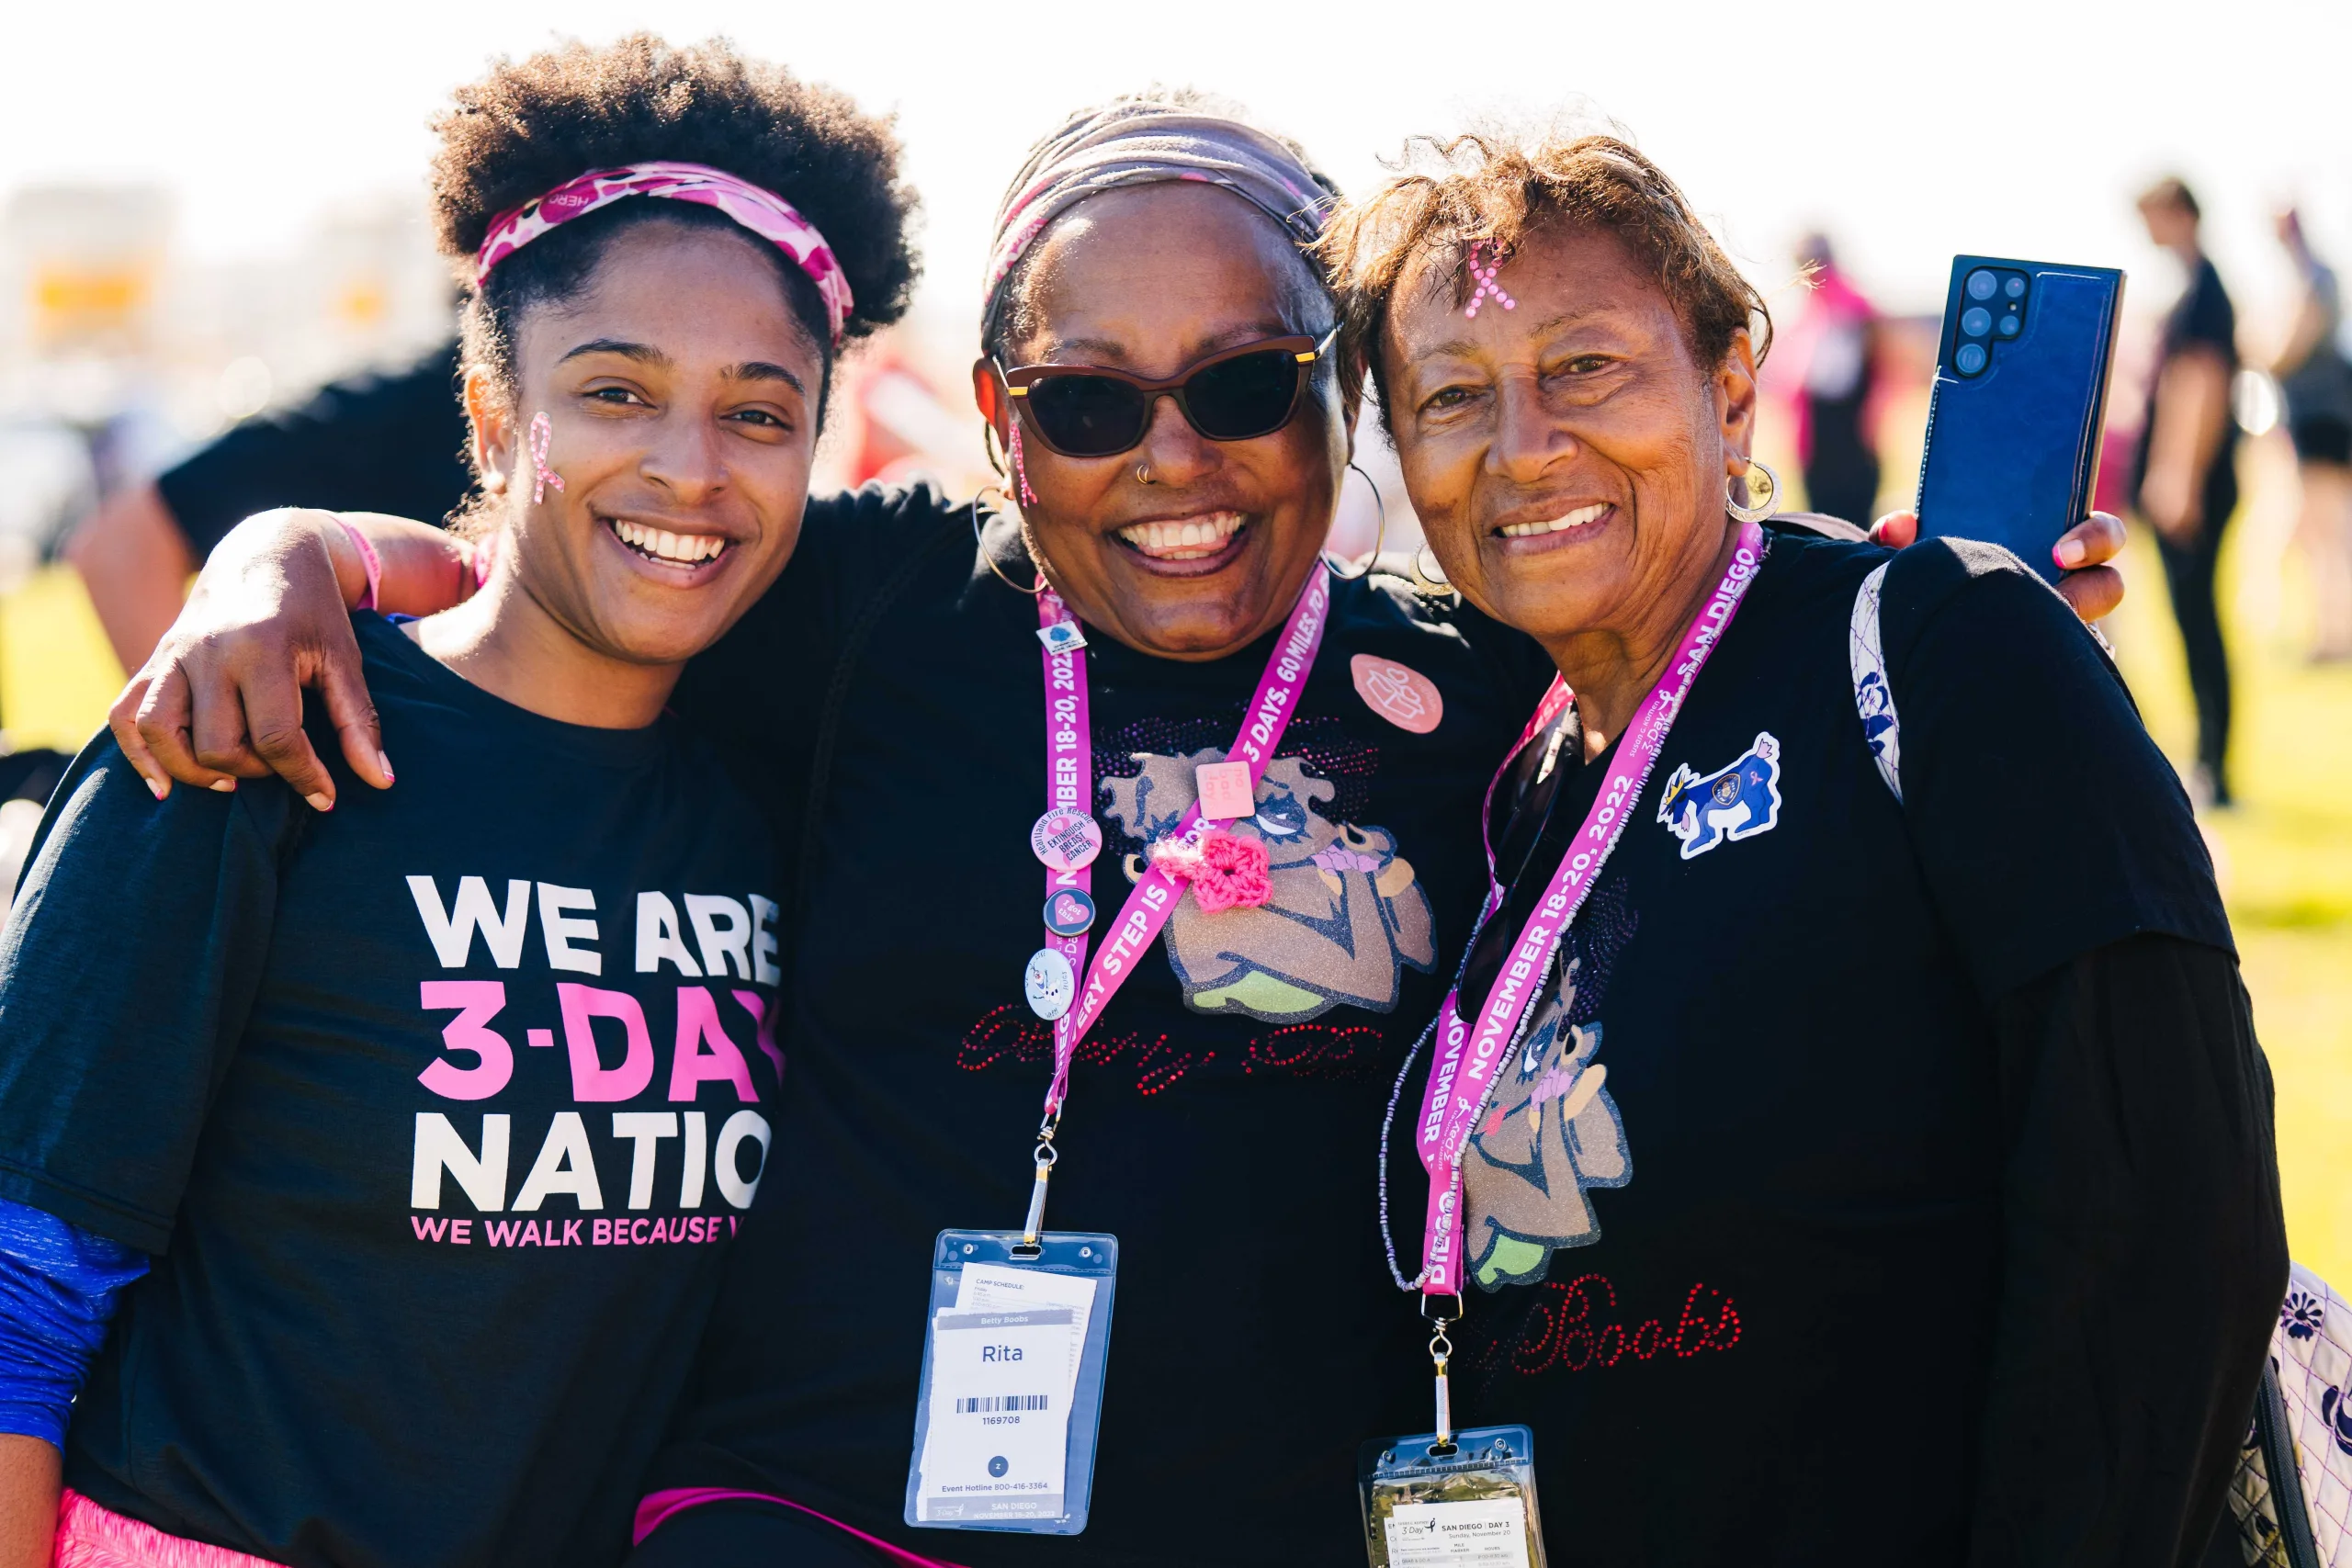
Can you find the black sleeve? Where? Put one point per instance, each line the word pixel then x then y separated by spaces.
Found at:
pixel 127 969
pixel 2045 820
pixel 759 692
pixel 2207 316
pixel 2144 1255
pixel 392 443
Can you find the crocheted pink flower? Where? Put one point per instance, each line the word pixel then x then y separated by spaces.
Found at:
pixel 1226 870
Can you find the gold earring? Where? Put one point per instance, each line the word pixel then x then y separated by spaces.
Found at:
pixel 1379 534
pixel 1752 510
pixel 1041 584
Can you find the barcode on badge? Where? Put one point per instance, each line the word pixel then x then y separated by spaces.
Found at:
pixel 990 1404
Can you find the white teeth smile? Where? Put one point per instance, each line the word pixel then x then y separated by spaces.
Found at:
pixel 1577 519
pixel 1185 538
pixel 677 550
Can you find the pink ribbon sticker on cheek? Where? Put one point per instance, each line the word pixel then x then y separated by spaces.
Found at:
pixel 542 438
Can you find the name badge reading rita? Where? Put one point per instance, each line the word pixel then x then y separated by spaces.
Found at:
pixel 1011 1386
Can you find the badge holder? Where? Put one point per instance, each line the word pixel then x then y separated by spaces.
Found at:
pixel 1013 1360
pixel 1460 1499
pixel 1467 1502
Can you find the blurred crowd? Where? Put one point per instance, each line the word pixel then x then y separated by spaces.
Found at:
pixel 145 407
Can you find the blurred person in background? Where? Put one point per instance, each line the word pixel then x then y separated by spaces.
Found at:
pixel 2186 479
pixel 2315 379
pixel 1834 343
pixel 392 443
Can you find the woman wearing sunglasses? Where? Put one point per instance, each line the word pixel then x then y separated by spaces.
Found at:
pixel 1154 371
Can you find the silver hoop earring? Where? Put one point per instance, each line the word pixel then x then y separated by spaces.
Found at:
pixel 1429 582
pixel 1752 510
pixel 977 544
pixel 1378 536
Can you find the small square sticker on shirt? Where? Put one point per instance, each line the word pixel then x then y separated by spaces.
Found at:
pixel 1062 636
pixel 1225 790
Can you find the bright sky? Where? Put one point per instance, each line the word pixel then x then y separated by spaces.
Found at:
pixel 2021 127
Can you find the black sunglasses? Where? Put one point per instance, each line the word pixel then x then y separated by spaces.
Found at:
pixel 1089 411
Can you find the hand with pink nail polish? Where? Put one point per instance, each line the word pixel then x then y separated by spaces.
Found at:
pixel 2092 586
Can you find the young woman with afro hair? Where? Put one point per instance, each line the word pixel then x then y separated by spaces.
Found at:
pixel 364 1205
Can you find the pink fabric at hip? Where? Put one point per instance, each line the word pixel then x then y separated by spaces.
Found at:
pixel 658 1507
pixel 91 1537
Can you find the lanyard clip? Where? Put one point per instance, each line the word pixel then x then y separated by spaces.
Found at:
pixel 1440 1354
pixel 1030 1249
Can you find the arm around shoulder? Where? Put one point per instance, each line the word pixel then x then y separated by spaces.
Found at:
pixel 221 697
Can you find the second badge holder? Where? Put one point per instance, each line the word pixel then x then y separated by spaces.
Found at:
pixel 1467 1503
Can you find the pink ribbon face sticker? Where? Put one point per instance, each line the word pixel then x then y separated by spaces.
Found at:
pixel 542 438
pixel 1488 287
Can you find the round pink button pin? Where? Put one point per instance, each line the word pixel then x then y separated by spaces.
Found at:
pixel 1066 839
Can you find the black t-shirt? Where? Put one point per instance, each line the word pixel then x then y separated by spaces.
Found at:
pixel 379 442
pixel 423 1293
pixel 1734 1216
pixel 1222 1114
pixel 2201 318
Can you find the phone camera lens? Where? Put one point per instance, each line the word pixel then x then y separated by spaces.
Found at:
pixel 1981 284
pixel 2014 287
pixel 1976 320
pixel 2011 326
pixel 1971 358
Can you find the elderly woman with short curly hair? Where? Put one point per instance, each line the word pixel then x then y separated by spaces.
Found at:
pixel 1878 1165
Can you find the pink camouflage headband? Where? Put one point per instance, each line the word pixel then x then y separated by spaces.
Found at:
pixel 763 212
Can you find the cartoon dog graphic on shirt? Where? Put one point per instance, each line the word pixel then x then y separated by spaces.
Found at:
pixel 1735 802
pixel 1550 1133
pixel 1346 915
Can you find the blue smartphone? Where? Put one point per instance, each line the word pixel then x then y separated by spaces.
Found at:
pixel 2019 397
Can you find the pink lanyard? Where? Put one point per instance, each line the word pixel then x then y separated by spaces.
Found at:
pixel 1069 785
pixel 1462 1076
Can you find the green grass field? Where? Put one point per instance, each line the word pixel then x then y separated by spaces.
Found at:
pixel 2285 857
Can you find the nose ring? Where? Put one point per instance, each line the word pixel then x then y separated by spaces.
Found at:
pixel 1143 473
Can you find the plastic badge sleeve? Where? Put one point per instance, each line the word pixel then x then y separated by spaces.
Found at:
pixel 1013 1358
pixel 1472 1509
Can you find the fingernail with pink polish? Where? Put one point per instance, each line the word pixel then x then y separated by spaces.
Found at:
pixel 386 764
pixel 155 787
pixel 321 801
pixel 2069 553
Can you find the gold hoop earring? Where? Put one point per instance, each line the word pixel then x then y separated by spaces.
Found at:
pixel 1381 504
pixel 1040 586
pixel 1753 511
